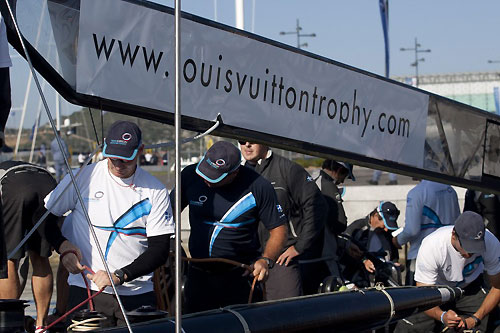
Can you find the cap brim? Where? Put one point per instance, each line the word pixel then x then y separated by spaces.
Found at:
pixel 209 174
pixel 472 245
pixel 117 153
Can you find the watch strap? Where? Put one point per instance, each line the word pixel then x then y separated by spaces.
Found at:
pixel 269 261
pixel 120 275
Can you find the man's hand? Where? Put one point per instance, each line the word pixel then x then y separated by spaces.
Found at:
pixel 354 251
pixel 101 279
pixel 467 323
pixel 451 319
pixel 71 261
pixel 287 256
pixel 369 266
pixel 260 269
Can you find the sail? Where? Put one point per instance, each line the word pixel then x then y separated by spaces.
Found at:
pixel 118 55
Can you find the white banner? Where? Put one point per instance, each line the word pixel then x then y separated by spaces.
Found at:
pixel 126 53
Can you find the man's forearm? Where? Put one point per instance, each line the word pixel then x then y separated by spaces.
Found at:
pixel 274 245
pixel 489 303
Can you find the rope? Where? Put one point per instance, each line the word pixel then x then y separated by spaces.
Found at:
pixel 242 320
pixel 381 288
pixel 91 304
pixel 234 263
pixel 89 299
pixel 86 325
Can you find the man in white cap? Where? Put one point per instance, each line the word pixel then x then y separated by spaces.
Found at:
pixel 131 215
pixel 226 202
pixel 457 256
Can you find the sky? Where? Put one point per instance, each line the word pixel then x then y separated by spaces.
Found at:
pixel 462 36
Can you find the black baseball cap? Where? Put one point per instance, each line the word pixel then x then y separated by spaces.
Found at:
pixel 389 213
pixel 219 161
pixel 123 141
pixel 469 227
pixel 349 168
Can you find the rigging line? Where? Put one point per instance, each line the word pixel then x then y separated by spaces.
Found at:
pixel 44 216
pixel 93 126
pixel 186 140
pixel 177 213
pixel 102 123
pixel 73 180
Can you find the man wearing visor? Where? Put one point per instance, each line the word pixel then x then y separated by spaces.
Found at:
pixel 457 256
pixel 373 234
pixel 131 215
pixel 226 202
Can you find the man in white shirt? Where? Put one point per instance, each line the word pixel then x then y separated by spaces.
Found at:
pixel 457 256
pixel 429 206
pixel 5 63
pixel 131 215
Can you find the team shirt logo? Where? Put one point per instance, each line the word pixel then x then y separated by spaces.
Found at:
pixel 200 201
pixel 98 194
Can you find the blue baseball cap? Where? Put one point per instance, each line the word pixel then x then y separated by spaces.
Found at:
pixel 219 161
pixel 123 141
pixel 389 213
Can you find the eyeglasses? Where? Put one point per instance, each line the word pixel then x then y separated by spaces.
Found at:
pixel 241 142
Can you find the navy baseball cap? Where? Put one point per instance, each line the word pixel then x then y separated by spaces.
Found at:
pixel 219 161
pixel 123 141
pixel 389 213
pixel 469 227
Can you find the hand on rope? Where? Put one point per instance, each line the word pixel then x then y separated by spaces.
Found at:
pixel 259 269
pixel 71 249
pixel 101 279
pixel 71 263
pixel 256 271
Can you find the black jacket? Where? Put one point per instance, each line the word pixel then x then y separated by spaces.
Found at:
pixel 336 221
pixel 488 206
pixel 301 201
pixel 361 234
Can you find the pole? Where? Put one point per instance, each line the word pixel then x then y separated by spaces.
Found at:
pixel 178 299
pixel 298 34
pixel 240 16
pixel 416 61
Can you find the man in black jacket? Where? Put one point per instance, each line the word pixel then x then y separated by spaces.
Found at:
pixel 305 208
pixel 332 174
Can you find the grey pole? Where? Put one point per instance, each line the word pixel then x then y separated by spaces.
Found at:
pixel 178 300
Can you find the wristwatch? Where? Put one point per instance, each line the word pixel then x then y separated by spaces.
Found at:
pixel 270 262
pixel 120 275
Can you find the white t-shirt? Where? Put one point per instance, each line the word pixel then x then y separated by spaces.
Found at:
pixel 438 263
pixel 123 213
pixel 4 46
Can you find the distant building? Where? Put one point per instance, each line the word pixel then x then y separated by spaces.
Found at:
pixel 475 89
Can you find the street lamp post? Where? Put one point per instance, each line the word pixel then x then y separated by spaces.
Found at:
pixel 417 59
pixel 297 31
